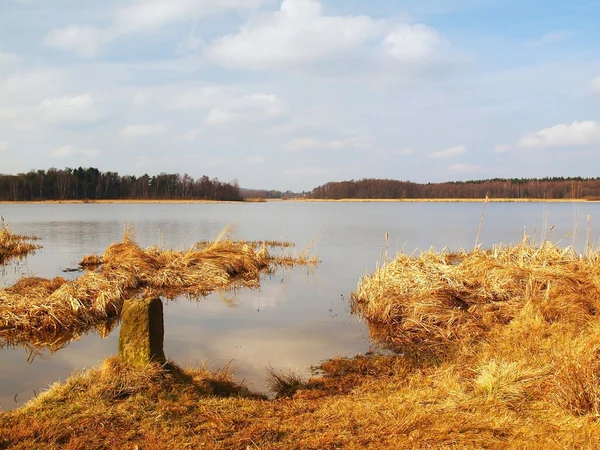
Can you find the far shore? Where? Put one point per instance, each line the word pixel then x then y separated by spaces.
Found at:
pixel 304 200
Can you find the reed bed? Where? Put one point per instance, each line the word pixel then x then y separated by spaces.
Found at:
pixel 500 350
pixel 49 313
pixel 15 245
pixel 439 298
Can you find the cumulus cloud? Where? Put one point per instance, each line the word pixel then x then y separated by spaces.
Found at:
pixel 143 131
pixel 311 143
pixel 464 168
pixel 404 151
pixel 299 33
pixel 576 134
pixel 413 42
pixel 70 150
pixel 70 110
pixel 296 34
pixel 83 40
pixel 449 152
pixel 141 16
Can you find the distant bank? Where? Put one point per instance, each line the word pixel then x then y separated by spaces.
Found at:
pixel 304 200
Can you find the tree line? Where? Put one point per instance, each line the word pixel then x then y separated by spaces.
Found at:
pixel 515 188
pixel 91 184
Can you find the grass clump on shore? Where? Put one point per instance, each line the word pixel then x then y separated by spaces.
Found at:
pixel 15 245
pixel 500 349
pixel 49 313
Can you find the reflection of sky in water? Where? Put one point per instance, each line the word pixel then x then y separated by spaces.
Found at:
pixel 298 317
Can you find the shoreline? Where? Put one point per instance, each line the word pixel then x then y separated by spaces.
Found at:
pixel 299 200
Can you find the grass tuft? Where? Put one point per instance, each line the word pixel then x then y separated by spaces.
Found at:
pixel 49 313
pixel 15 245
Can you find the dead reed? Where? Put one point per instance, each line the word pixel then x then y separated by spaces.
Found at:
pixel 49 313
pixel 520 322
pixel 439 298
pixel 15 245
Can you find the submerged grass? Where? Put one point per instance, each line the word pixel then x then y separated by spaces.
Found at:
pixel 49 313
pixel 15 245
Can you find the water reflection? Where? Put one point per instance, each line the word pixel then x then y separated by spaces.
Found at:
pixel 293 320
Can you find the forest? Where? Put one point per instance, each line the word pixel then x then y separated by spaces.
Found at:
pixel 516 188
pixel 91 184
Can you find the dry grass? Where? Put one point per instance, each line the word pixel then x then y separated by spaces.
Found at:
pixel 436 300
pixel 501 349
pixel 50 313
pixel 15 245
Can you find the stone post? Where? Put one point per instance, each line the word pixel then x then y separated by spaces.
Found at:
pixel 142 332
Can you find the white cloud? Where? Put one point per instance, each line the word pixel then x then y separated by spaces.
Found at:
pixel 404 151
pixel 3 146
pixel 151 14
pixel 142 131
pixel 548 38
pixel 255 159
pixel 297 34
pixel 191 135
pixel 563 135
pixel 413 42
pixel 228 105
pixel 142 16
pixel 596 85
pixel 501 148
pixel 83 40
pixel 70 110
pixel 311 143
pixel 300 34
pixel 464 168
pixel 218 117
pixel 70 150
pixel 449 152
pixel 63 152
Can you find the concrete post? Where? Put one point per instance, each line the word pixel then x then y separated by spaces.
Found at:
pixel 142 332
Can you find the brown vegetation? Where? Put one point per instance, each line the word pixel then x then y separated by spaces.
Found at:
pixel 15 245
pixel 501 349
pixel 49 313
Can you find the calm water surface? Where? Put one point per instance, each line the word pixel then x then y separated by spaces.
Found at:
pixel 298 317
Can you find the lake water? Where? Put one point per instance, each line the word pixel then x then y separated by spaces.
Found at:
pixel 298 317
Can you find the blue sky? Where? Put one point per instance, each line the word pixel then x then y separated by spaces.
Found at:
pixel 291 94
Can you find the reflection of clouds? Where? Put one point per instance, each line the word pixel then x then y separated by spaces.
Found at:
pixel 283 345
pixel 22 378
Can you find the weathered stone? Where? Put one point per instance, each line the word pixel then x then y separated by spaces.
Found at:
pixel 142 332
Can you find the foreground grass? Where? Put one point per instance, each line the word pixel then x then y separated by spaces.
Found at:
pixel 501 350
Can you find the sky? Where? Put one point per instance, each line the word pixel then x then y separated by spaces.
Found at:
pixel 291 94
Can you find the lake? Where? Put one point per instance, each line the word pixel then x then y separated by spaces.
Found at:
pixel 298 317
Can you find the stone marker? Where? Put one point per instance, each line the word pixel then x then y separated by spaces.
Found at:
pixel 142 332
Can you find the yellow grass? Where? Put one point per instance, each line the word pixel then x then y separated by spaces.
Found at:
pixel 14 245
pixel 500 349
pixel 50 313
